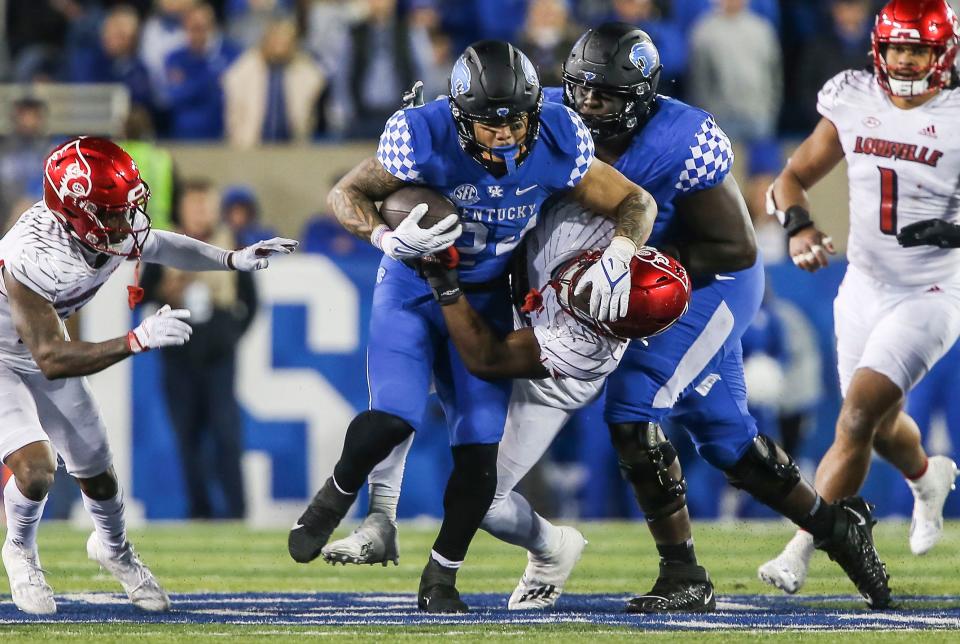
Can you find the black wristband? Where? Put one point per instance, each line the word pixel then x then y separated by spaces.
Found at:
pixel 448 294
pixel 796 219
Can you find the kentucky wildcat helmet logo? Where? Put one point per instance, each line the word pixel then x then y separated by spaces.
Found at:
pixel 638 56
pixel 529 71
pixel 460 78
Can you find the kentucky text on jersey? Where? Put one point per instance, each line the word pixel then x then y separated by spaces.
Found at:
pixel 523 211
pixel 899 151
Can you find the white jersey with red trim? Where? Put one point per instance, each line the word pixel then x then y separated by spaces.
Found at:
pixel 578 358
pixel 903 166
pixel 40 254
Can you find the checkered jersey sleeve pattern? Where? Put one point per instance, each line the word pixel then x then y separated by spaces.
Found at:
pixel 395 152
pixel 584 142
pixel 709 161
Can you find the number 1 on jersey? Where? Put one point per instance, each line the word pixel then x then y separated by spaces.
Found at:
pixel 888 201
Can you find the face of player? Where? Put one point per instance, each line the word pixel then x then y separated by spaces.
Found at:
pixel 495 136
pixel 118 225
pixel 908 62
pixel 593 102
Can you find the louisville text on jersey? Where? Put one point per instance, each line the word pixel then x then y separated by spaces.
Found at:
pixel 895 150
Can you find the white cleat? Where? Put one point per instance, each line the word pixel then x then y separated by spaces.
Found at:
pixel 930 493
pixel 374 541
pixel 543 580
pixel 29 588
pixel 141 586
pixel 789 570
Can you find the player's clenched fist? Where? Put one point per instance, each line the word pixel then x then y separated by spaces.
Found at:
pixel 609 280
pixel 254 257
pixel 809 248
pixel 165 328
pixel 409 240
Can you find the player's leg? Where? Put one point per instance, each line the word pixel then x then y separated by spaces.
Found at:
pixel 399 358
pixel 183 389
pixel 376 540
pixel 72 419
pixel 552 551
pixel 226 428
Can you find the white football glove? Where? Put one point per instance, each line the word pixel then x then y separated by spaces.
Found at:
pixel 609 279
pixel 254 257
pixel 165 328
pixel 409 240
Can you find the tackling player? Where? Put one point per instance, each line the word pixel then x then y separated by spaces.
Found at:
pixel 53 260
pixel 898 308
pixel 497 152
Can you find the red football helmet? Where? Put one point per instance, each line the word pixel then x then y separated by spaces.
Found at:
pixel 659 294
pixel 95 190
pixel 920 22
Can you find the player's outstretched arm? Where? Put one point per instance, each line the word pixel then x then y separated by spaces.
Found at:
pixel 720 233
pixel 188 254
pixel 40 329
pixel 484 354
pixel 353 198
pixel 787 197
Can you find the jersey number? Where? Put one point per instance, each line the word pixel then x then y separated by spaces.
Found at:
pixel 888 201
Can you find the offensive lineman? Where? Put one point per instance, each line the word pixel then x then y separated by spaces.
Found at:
pixel 898 308
pixel 53 261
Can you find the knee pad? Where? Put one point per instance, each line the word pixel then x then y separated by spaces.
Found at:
pixel 648 461
pixel 765 471
pixel 370 438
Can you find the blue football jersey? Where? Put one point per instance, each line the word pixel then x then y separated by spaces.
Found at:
pixel 420 145
pixel 680 150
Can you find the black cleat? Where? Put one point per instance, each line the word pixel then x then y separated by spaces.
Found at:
pixel 851 546
pixel 680 588
pixel 318 522
pixel 438 591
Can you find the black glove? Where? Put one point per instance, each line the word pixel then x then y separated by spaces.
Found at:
pixel 930 232
pixel 413 97
pixel 442 275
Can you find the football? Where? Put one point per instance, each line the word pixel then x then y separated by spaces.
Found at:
pixel 397 206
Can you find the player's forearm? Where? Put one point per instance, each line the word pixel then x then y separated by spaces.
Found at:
pixel 635 216
pixel 353 199
pixel 789 190
pixel 185 253
pixel 68 359
pixel 484 354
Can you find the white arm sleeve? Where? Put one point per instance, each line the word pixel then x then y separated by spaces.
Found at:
pixel 185 253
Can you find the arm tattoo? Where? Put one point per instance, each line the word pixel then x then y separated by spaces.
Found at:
pixel 635 216
pixel 353 198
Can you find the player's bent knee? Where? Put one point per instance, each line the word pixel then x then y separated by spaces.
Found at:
pixel 34 467
pixel 765 471
pixel 648 461
pixel 855 425
pixel 100 487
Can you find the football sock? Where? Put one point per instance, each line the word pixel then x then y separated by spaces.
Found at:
pixel 108 520
pixel 469 492
pixel 384 501
pixel 443 561
pixel 677 552
pixel 23 515
pixel 511 519
pixel 819 522
pixel 370 438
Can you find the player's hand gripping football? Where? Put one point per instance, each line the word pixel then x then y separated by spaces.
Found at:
pixel 930 232
pixel 165 328
pixel 409 240
pixel 609 280
pixel 441 273
pixel 256 256
pixel 809 248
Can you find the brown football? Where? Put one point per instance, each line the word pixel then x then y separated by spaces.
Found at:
pixel 397 206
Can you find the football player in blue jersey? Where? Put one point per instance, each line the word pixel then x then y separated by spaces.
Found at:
pixel 497 151
pixel 693 372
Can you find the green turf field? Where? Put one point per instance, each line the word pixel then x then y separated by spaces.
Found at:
pixel 619 559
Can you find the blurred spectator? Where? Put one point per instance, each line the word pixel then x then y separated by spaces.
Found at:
pixel 438 73
pixel 802 381
pixel 156 166
pixel 686 13
pixel 547 37
pixel 846 45
pixel 735 71
pixel 114 58
pixel 39 32
pixel 162 33
pixel 271 91
pixel 193 77
pixel 199 376
pixel 381 58
pixel 21 156
pixel 670 41
pixel 240 210
pixel 326 29
pixel 247 20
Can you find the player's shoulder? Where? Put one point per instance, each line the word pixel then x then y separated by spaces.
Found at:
pixel 552 95
pixel 675 122
pixel 564 131
pixel 38 248
pixel 851 88
pixel 413 136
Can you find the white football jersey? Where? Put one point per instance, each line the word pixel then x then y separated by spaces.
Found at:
pixel 42 256
pixel 903 166
pixel 578 358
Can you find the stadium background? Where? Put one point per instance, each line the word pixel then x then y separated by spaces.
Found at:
pixel 78 65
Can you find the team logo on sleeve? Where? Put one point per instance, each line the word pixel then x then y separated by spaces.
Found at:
pixel 466 194
pixel 460 78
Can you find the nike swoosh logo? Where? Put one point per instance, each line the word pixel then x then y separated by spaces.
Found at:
pixel 706 600
pixel 296 526
pixel 525 190
pixel 860 519
pixel 724 278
